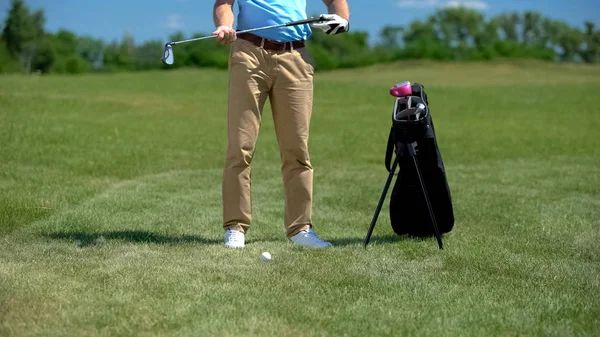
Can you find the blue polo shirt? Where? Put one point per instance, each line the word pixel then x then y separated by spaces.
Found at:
pixel 260 13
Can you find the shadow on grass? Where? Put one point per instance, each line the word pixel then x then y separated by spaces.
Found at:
pixel 375 240
pixel 88 239
pixel 379 240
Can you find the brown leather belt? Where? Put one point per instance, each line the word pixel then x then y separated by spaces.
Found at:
pixel 270 44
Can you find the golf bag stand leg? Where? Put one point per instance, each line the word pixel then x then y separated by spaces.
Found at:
pixel 381 200
pixel 413 153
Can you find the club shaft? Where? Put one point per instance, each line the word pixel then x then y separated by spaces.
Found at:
pixel 190 40
pixel 292 23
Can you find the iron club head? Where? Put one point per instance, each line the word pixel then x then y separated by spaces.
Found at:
pixel 168 56
pixel 419 111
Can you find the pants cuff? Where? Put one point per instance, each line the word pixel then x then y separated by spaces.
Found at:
pixel 295 229
pixel 236 226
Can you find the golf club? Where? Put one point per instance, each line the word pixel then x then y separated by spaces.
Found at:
pixel 420 109
pixel 401 89
pixel 169 58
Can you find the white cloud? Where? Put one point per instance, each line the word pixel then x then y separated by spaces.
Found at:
pixel 469 4
pixel 475 4
pixel 417 3
pixel 173 21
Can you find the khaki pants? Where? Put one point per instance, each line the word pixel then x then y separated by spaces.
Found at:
pixel 286 78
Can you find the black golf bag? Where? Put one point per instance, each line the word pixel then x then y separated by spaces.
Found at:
pixel 420 203
pixel 409 213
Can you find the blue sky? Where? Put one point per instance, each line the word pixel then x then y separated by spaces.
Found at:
pixel 150 19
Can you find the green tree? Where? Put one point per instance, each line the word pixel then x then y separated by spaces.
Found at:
pixel 532 29
pixel 64 42
pixel 8 64
pixel 591 51
pixel 120 56
pixel 391 37
pixel 509 25
pixel 91 50
pixel 422 41
pixel 349 49
pixel 147 55
pixel 75 64
pixel 567 40
pixel 63 47
pixel 127 52
pixel 24 33
pixel 44 57
pixel 207 53
pixel 458 28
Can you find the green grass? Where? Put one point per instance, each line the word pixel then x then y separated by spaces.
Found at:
pixel 110 209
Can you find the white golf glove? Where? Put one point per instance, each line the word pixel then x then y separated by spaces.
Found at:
pixel 335 24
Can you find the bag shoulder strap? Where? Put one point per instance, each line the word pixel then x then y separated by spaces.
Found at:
pixel 390 150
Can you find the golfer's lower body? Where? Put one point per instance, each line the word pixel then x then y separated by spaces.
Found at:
pixel 256 73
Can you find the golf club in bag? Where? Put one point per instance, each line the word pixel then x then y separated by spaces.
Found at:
pixel 169 57
pixel 420 203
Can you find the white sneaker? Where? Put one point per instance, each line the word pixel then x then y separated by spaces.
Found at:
pixel 234 239
pixel 310 239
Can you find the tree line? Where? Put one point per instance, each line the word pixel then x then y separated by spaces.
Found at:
pixel 449 34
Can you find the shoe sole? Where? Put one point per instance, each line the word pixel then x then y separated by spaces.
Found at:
pixel 231 246
pixel 310 246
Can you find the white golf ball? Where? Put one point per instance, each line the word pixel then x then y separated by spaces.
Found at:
pixel 265 256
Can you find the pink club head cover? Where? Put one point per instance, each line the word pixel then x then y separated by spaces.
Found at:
pixel 401 89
